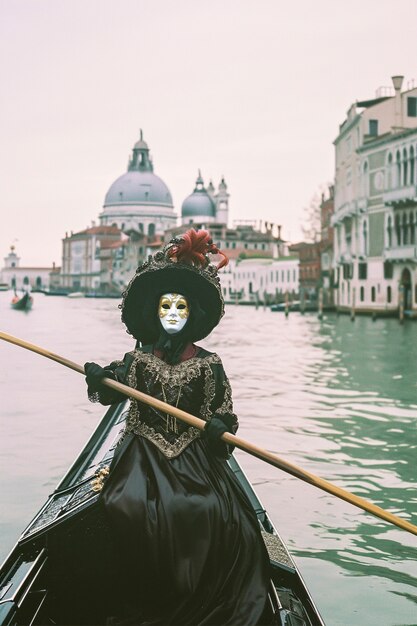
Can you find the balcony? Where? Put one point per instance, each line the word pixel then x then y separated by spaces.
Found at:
pixel 401 197
pixel 348 209
pixel 401 253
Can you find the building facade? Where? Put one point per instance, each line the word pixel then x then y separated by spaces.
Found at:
pixel 85 259
pixel 20 277
pixel 375 214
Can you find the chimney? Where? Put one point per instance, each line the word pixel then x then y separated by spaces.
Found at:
pixel 397 81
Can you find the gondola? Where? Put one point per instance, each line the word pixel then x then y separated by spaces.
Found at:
pixel 59 572
pixel 24 303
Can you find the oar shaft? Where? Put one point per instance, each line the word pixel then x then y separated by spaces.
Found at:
pixel 242 444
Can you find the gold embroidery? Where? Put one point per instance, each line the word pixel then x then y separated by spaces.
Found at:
pixel 170 450
pixel 172 378
pixel 227 404
pixel 169 375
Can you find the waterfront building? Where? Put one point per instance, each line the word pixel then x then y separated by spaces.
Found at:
pixel 264 280
pixel 139 200
pixel 375 216
pixel 309 256
pixel 327 247
pixel 22 277
pixel 87 258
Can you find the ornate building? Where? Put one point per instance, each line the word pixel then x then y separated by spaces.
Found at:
pixel 375 212
pixel 22 277
pixel 206 206
pixel 139 200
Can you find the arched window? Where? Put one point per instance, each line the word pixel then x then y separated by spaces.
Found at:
pixel 405 229
pixel 362 294
pixel 365 180
pixel 389 294
pixel 151 229
pixel 412 166
pixel 365 238
pixel 405 168
pixel 26 280
pixel 398 229
pixel 412 228
pixel 390 173
pixel 389 232
pixel 373 294
pixel 398 169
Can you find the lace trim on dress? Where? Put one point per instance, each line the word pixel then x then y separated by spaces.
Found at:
pixel 170 450
pixel 169 375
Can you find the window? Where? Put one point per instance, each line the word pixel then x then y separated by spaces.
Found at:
pixel 405 229
pixel 389 294
pixel 388 269
pixel 362 271
pixel 362 294
pixel 373 294
pixel 412 107
pixel 347 270
pixel 365 238
pixel 373 128
pixel 389 232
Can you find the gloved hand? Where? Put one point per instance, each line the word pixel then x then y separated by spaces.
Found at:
pixel 94 375
pixel 215 428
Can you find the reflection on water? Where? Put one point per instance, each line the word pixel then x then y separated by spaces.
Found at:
pixel 338 398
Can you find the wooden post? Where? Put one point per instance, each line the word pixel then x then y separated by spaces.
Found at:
pixel 302 301
pixel 286 304
pixel 320 315
pixel 401 305
pixel 352 310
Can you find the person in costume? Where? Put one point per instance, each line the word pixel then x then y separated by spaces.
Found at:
pixel 188 540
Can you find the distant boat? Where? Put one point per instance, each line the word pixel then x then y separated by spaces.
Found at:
pixel 76 294
pixel 24 303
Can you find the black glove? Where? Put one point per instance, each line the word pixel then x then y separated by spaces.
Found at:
pixel 215 428
pixel 94 375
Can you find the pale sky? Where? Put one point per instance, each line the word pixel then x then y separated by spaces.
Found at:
pixel 253 90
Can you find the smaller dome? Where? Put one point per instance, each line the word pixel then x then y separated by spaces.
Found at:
pixel 199 203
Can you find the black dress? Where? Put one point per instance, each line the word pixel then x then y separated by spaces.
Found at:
pixel 189 543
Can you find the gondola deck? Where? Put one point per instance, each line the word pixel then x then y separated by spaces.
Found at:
pixel 49 578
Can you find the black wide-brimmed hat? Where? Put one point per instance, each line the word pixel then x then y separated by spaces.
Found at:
pixel 184 267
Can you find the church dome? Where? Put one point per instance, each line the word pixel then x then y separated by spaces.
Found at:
pixel 139 185
pixel 136 187
pixel 199 203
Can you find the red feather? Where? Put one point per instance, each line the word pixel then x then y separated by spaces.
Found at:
pixel 194 248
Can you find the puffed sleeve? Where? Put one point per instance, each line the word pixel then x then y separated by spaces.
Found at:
pixel 118 370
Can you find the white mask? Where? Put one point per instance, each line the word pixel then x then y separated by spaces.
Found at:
pixel 173 311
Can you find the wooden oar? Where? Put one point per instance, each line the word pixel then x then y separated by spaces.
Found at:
pixel 260 453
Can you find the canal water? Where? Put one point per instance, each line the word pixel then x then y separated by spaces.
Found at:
pixel 338 398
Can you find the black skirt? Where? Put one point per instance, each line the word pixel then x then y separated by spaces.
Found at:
pixel 189 546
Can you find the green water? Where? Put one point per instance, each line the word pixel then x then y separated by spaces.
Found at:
pixel 338 398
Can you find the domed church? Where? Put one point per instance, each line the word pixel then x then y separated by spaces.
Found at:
pixel 205 206
pixel 139 200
